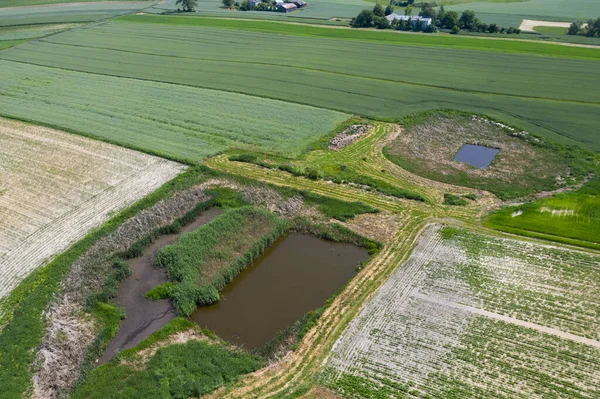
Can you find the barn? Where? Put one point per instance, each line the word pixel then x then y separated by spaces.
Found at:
pixel 287 7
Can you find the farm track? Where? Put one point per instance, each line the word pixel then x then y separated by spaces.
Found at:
pixel 56 187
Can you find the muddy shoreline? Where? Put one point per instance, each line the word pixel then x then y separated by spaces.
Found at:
pixel 143 316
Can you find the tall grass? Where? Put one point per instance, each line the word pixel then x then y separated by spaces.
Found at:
pixel 178 371
pixel 202 262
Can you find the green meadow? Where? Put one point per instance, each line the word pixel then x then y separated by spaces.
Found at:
pixel 574 215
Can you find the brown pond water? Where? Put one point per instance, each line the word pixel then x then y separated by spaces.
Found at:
pixel 144 316
pixel 296 274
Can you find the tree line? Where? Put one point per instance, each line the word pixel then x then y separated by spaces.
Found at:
pixel 441 19
pixel 591 29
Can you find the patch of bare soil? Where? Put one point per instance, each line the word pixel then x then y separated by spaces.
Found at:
pixel 376 226
pixel 348 136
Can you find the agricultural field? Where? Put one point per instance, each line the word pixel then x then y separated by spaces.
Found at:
pixel 470 315
pixel 67 13
pixel 182 123
pixel 336 76
pixel 24 3
pixel 549 10
pixel 56 187
pixel 570 217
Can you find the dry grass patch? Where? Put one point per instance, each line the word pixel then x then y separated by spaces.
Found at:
pixel 55 187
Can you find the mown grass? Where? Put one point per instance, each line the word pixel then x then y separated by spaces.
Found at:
pixel 202 262
pixel 336 174
pixel 510 46
pixel 581 222
pixel 336 75
pixel 184 370
pixel 556 30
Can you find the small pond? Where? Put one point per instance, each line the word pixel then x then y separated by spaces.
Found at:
pixel 144 316
pixel 295 275
pixel 476 155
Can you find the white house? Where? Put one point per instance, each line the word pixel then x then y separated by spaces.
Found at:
pixel 424 22
pixel 279 2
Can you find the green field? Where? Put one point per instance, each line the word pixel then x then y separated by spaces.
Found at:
pixel 572 215
pixel 178 122
pixel 339 74
pixel 21 3
pixel 556 30
pixel 550 10
pixel 64 13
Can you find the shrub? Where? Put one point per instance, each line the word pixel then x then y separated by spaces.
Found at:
pixel 451 199
pixel 455 30
pixel 313 173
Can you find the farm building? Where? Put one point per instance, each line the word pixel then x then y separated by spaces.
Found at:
pixel 299 3
pixel 254 3
pixel 287 7
pixel 424 22
pixel 279 3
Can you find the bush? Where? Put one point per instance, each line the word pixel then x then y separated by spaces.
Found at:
pixel 313 173
pixel 382 23
pixel 455 30
pixel 455 200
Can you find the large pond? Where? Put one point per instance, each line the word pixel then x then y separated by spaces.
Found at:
pixel 144 316
pixel 297 274
pixel 476 155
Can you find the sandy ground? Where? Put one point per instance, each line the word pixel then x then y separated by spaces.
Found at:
pixel 529 24
pixel 56 187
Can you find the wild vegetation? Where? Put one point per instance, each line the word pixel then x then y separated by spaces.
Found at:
pixel 525 164
pixel 202 262
pixel 196 366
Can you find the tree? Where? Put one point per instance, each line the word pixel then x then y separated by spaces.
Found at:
pixel 365 19
pixel 381 22
pixel 575 28
pixel 228 3
pixel 389 10
pixel 378 10
pixel 187 5
pixel 408 11
pixel 493 28
pixel 427 11
pixel 245 6
pixel 455 30
pixel 468 20
pixel 450 20
pixel 593 28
